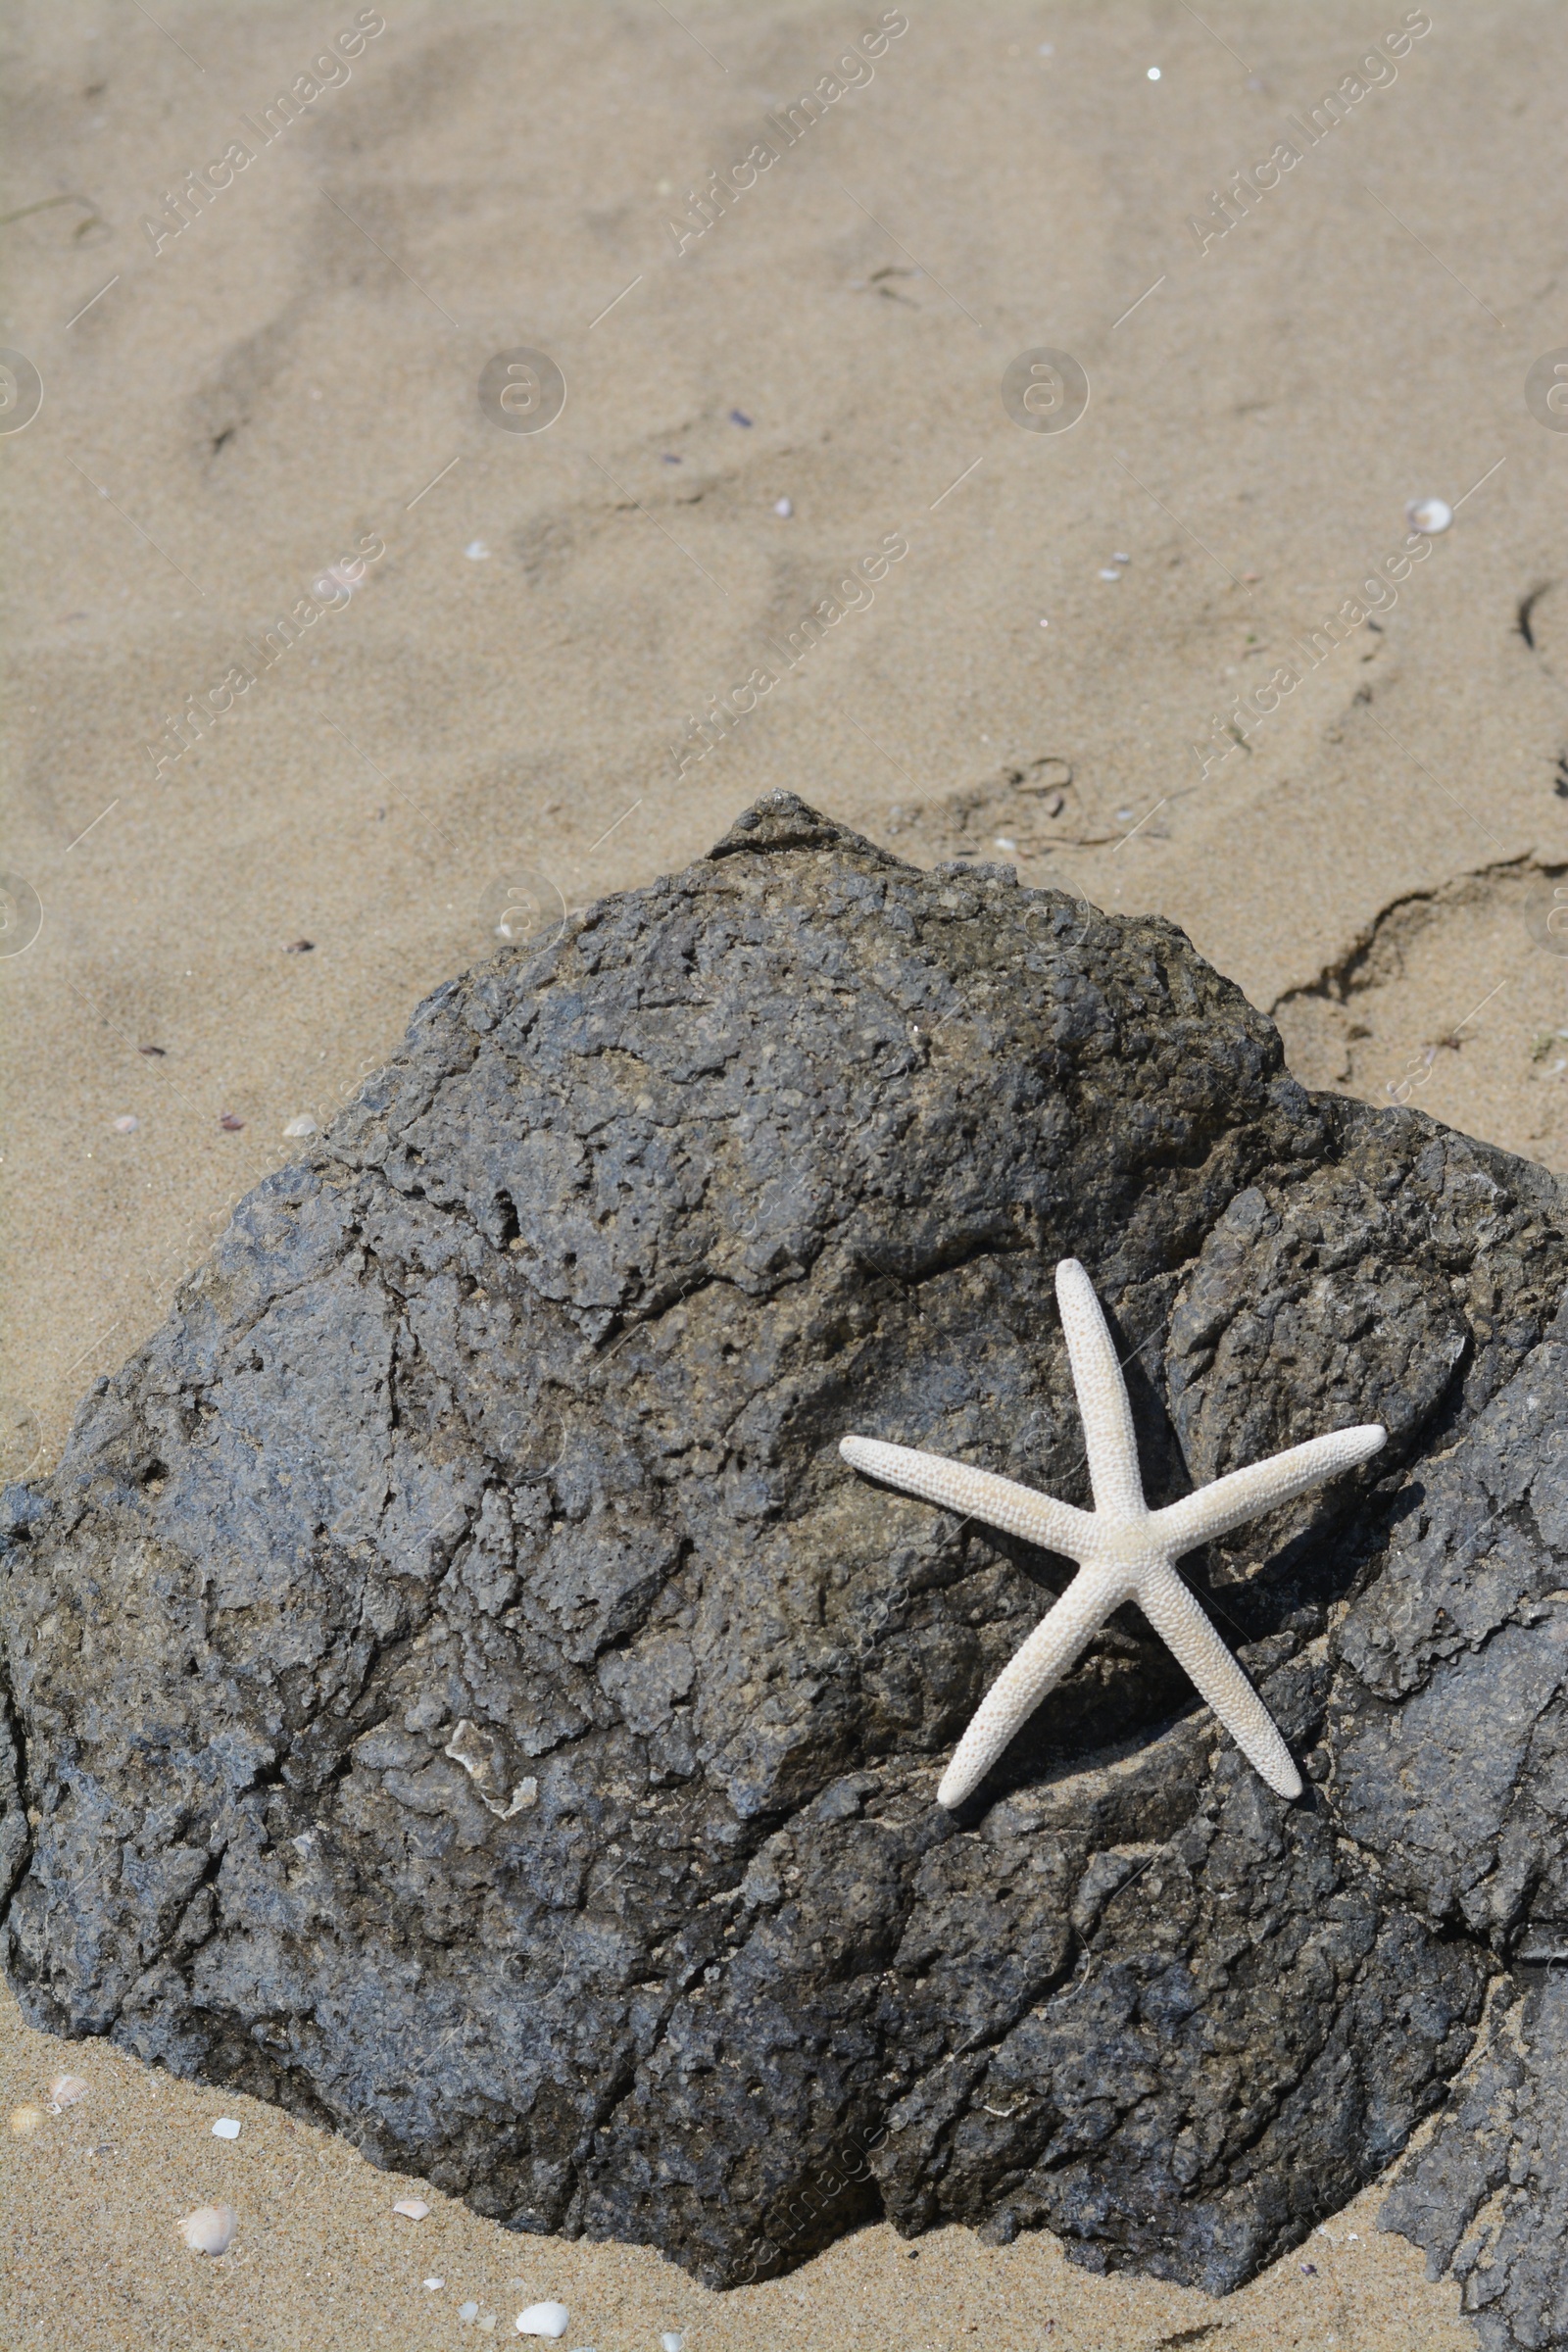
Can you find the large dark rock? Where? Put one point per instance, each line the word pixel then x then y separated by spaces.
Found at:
pixel 458 1690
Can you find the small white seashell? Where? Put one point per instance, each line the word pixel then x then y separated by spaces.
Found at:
pixel 210 2229
pixel 477 551
pixel 1045 625
pixel 126 1125
pixel 225 2127
pixel 303 1125
pixel 1003 843
pixel 433 2284
pixel 669 2341
pixel 467 2313
pixel 415 2207
pixel 24 2121
pixel 67 2090
pixel 1118 557
pixel 784 507
pixel 474 1750
pixel 543 2318
pixel 487 2324
pixel 1429 514
pixel 1111 575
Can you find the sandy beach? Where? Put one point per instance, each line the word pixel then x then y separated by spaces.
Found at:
pixel 318 664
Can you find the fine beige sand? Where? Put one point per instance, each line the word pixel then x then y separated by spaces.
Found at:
pixel 490 712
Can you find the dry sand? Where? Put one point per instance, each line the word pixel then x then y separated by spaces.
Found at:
pixel 295 375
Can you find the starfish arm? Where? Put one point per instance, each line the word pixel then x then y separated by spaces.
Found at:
pixel 1049 1652
pixel 1186 1633
pixel 974 1493
pixel 1107 1419
pixel 1246 1494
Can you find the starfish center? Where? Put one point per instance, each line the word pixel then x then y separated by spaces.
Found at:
pixel 1127 1551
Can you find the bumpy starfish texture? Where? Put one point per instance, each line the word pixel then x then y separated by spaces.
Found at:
pixel 1124 1550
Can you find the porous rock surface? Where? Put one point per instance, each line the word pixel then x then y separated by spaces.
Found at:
pixel 453 1687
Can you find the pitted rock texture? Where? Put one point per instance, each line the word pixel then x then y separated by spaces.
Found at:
pixel 1487 2196
pixel 456 1689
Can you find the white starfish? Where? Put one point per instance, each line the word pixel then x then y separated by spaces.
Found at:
pixel 1124 1550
